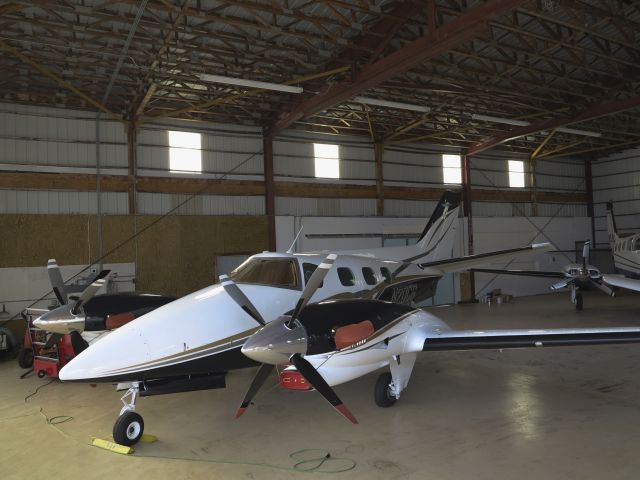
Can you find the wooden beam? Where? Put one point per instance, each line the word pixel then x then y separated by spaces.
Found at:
pixel 269 190
pixel 120 183
pixel 379 154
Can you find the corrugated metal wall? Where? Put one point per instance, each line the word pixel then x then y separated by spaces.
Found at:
pixel 55 140
pixel 616 179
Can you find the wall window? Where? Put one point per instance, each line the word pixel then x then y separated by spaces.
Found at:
pixel 516 173
pixel 451 169
pixel 327 160
pixel 185 154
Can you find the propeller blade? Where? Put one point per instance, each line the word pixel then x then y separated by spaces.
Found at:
pixel 561 284
pixel 262 375
pixel 240 298
pixel 312 376
pixel 313 284
pixel 607 290
pixel 55 277
pixel 585 254
pixel 90 291
pixel 52 340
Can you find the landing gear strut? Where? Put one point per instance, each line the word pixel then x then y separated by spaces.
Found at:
pixel 390 384
pixel 576 298
pixel 129 426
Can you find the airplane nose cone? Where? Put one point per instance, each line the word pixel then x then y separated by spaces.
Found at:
pixel 275 343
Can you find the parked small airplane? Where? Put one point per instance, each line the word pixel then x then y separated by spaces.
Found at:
pixel 575 276
pixel 333 342
pixel 216 321
pixel 626 255
pixel 90 312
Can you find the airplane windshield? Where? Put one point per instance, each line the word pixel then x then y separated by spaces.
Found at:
pixel 274 272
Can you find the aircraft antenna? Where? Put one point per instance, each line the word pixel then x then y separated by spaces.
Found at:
pixel 290 250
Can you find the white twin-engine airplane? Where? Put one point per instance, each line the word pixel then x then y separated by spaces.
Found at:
pixel 335 341
pixel 191 343
pixel 626 255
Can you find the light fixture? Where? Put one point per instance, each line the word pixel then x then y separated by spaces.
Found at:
pixel 386 103
pixel 249 83
pixel 521 123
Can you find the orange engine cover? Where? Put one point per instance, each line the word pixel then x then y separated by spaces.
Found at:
pixel 293 380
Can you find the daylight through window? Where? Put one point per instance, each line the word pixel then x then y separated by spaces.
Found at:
pixel 516 173
pixel 185 154
pixel 451 170
pixel 327 160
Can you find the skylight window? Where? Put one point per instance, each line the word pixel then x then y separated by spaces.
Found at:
pixel 451 169
pixel 185 154
pixel 516 173
pixel 327 160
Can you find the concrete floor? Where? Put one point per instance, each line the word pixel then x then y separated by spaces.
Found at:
pixel 527 414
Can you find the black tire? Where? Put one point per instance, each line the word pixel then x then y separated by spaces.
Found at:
pixel 578 302
pixel 25 357
pixel 128 429
pixel 381 391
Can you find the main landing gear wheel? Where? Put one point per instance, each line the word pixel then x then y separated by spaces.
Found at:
pixel 578 302
pixel 128 428
pixel 382 391
pixel 25 357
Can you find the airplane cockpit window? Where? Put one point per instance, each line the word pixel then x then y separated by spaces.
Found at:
pixel 274 272
pixel 369 276
pixel 573 271
pixel 594 273
pixel 307 271
pixel 346 277
pixel 635 244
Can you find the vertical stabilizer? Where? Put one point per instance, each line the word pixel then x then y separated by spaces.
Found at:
pixel 612 230
pixel 445 213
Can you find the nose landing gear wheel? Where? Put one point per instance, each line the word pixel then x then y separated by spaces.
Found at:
pixel 381 391
pixel 128 428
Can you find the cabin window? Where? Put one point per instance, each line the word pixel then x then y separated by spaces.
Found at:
pixel 185 152
pixel 635 244
pixel 386 274
pixel 273 272
pixel 369 276
pixel 307 271
pixel 346 277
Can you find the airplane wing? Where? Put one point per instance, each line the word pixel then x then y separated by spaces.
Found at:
pixel 472 261
pixel 622 281
pixel 524 273
pixel 500 339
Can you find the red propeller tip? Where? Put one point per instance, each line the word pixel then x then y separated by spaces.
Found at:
pixel 240 411
pixel 344 411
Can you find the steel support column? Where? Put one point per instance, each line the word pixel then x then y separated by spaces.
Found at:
pixel 467 210
pixel 588 179
pixel 132 162
pixel 379 154
pixel 270 203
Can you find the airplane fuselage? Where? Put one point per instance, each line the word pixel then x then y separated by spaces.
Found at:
pixel 202 332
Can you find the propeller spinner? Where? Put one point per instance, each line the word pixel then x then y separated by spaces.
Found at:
pixel 285 341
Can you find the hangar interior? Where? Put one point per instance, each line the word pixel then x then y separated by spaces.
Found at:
pixel 169 140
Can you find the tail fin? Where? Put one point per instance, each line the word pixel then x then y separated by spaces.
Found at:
pixel 443 215
pixel 611 225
